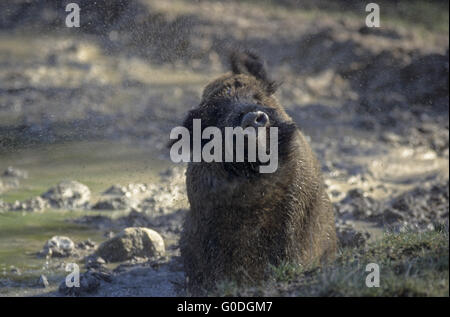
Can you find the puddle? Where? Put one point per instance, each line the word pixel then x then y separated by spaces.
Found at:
pixel 96 164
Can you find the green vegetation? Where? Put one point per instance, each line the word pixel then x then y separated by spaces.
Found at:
pixel 411 264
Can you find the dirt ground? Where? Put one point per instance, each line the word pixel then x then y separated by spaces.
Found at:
pixel 373 101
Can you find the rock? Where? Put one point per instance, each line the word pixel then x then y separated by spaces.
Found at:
pixel 16 173
pixel 94 262
pixel 58 246
pixel 121 197
pixel 35 204
pixel 14 270
pixel 129 190
pixel 89 283
pixel 163 197
pixel 132 242
pixel 43 282
pixel 68 194
pixel 86 245
pixel 3 206
pixel 115 203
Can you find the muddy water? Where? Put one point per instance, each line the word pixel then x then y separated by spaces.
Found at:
pixel 95 164
pixel 22 235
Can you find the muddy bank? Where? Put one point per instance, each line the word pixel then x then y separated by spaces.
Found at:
pixel 75 86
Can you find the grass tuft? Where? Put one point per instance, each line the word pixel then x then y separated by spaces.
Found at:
pixel 410 263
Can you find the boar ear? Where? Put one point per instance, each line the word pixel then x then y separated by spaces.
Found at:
pixel 187 123
pixel 251 64
pixel 191 115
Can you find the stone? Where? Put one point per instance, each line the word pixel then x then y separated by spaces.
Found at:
pixel 3 206
pixel 15 270
pixel 121 197
pixel 58 246
pixel 114 203
pixel 94 262
pixel 89 283
pixel 14 172
pixel 35 204
pixel 86 245
pixel 132 242
pixel 68 194
pixel 43 281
